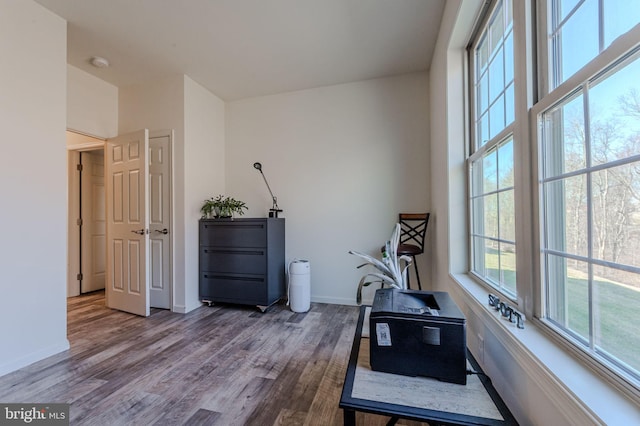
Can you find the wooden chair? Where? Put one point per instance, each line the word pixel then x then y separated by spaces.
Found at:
pixel 413 229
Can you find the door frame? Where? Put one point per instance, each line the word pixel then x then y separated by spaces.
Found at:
pixel 73 191
pixel 73 234
pixel 93 211
pixel 172 273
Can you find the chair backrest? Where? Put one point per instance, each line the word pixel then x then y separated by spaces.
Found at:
pixel 413 228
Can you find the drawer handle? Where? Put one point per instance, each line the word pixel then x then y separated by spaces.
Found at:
pixel 222 251
pixel 220 225
pixel 226 277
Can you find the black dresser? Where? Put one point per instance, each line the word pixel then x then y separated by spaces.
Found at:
pixel 242 261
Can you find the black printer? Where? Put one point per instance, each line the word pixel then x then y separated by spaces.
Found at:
pixel 418 333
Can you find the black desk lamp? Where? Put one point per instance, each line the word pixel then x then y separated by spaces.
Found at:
pixel 273 211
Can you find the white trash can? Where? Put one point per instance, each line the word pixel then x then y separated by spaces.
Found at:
pixel 299 285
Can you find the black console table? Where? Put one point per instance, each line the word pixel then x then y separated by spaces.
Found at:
pixel 242 261
pixel 417 398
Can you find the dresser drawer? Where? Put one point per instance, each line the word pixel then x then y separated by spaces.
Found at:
pixel 233 233
pixel 242 260
pixel 234 288
pixel 229 259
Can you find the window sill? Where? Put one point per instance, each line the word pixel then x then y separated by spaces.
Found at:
pixel 577 391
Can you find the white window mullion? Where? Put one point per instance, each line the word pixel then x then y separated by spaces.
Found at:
pixel 589 174
pixel 601 27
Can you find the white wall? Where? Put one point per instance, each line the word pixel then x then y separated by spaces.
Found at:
pixel 343 161
pixel 204 171
pixel 155 105
pixel 34 186
pixel 159 105
pixel 92 104
pixel 197 118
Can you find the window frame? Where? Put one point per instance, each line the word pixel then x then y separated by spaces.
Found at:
pixel 524 45
pixel 618 51
pixel 478 150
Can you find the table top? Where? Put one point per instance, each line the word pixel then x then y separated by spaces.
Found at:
pixel 419 398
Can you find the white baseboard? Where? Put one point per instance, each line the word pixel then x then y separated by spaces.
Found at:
pixel 32 357
pixel 179 309
pixel 334 300
pixel 182 309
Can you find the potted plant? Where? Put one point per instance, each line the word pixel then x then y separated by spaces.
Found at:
pixel 390 271
pixel 207 209
pixel 222 207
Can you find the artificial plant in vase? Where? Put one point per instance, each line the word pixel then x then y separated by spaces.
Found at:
pixel 390 272
pixel 222 207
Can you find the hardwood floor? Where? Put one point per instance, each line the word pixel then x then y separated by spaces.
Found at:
pixel 221 365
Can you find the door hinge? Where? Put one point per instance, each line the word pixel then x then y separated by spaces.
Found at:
pixel 79 222
pixel 79 167
pixel 79 277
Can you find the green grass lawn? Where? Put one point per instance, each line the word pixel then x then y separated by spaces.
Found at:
pixel 616 316
pixel 616 310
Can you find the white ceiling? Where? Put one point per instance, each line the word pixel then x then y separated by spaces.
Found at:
pixel 246 48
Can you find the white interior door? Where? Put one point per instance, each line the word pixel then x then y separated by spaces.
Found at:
pixel 160 220
pixel 93 250
pixel 127 173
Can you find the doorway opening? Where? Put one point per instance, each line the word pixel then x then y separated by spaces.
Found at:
pixel 87 219
pixel 87 210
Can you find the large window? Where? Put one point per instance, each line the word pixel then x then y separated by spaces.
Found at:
pixel 491 161
pixel 589 178
pixel 574 206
